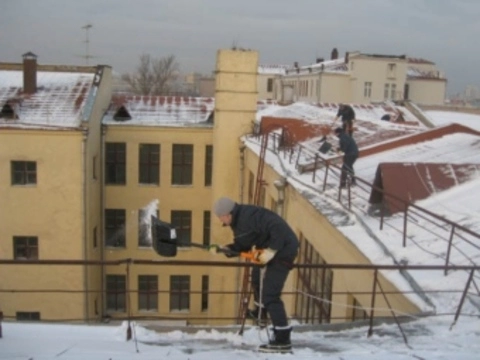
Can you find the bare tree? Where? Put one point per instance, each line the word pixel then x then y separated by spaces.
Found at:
pixel 153 76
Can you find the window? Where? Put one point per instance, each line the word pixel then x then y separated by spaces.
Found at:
pixel 206 227
pixel 394 90
pixel 25 247
pixel 208 165
pixel 367 89
pixel 269 84
pixel 27 316
pixel 182 164
pixel 182 222
pixel 386 91
pixel 316 281
pixel 358 312
pixel 145 227
pixel 204 292
pixel 115 227
pixel 149 164
pixel 147 292
pixel 24 172
pixel 116 293
pixel 179 292
pixel 115 163
pixel 391 70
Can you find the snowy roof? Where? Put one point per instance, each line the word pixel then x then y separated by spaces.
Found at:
pixel 416 73
pixel 159 110
pixel 309 122
pixel 427 339
pixel 273 69
pixel 176 111
pixel 58 102
pixel 334 66
pixel 415 144
pixel 445 117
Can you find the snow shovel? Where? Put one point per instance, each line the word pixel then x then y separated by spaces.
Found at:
pixel 165 243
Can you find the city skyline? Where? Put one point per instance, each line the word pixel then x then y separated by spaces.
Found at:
pixel 117 32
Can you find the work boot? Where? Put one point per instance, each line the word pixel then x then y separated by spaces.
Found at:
pixel 280 342
pixel 260 321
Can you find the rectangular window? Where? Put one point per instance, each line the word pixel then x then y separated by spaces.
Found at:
pixel 394 90
pixel 25 247
pixel 24 172
pixel 115 227
pixel 317 281
pixel 179 292
pixel 145 227
pixel 386 91
pixel 358 312
pixel 116 293
pixel 27 316
pixel 115 163
pixel 182 222
pixel 182 164
pixel 269 84
pixel 367 89
pixel 206 227
pixel 147 292
pixel 149 164
pixel 208 165
pixel 205 290
pixel 391 70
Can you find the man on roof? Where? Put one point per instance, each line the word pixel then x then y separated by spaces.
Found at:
pixel 264 230
pixel 347 114
pixel 349 147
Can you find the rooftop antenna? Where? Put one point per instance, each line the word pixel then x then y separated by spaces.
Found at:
pixel 87 42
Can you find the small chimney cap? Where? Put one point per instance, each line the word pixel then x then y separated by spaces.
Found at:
pixel 29 55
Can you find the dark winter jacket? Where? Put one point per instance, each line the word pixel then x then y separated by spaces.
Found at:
pixel 346 112
pixel 255 225
pixel 347 144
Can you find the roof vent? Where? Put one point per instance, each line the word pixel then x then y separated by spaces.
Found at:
pixel 122 114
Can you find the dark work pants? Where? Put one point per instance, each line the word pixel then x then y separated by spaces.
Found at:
pixel 347 169
pixel 275 276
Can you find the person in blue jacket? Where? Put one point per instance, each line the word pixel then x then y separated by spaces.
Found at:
pixel 350 154
pixel 260 228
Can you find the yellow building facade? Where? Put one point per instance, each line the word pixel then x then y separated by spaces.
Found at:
pixel 97 187
pixel 50 188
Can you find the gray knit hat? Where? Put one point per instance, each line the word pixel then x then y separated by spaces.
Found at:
pixel 223 206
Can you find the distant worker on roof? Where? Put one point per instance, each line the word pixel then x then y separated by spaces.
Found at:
pixel 350 154
pixel 347 114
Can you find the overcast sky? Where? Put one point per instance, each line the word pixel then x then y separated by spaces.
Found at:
pixel 283 31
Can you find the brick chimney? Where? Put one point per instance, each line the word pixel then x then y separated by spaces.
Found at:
pixel 334 54
pixel 29 73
